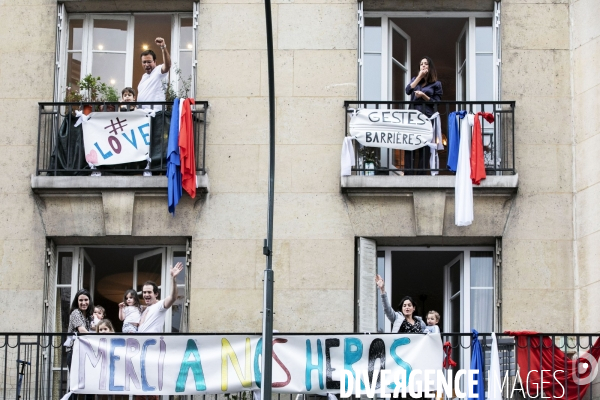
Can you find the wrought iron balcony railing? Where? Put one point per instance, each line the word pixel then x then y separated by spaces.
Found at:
pixel 60 149
pixel 498 139
pixel 33 365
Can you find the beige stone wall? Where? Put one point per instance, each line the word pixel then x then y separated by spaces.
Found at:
pixel 538 239
pixel 585 46
pixel 315 225
pixel 315 62
pixel 26 77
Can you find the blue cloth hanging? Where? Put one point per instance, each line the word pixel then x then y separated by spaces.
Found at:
pixel 454 138
pixel 477 364
pixel 173 161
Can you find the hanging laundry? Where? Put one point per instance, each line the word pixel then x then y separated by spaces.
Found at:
pixel 186 149
pixel 436 143
pixel 348 160
pixel 173 161
pixel 453 139
pixel 540 360
pixel 463 189
pixel 477 365
pixel 477 161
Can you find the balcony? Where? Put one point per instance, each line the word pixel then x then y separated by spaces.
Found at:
pixel 61 161
pixel 33 365
pixel 394 175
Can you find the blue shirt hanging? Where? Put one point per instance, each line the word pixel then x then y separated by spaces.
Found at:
pixel 173 161
pixel 477 364
pixel 454 139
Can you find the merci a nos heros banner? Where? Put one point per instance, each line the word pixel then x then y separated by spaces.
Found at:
pixel 116 137
pixel 191 364
pixel 394 129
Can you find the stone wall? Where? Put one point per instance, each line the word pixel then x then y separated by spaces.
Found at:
pixel 27 53
pixel 585 62
pixel 538 239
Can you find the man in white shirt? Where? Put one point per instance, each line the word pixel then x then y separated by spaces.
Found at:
pixel 153 317
pixel 150 87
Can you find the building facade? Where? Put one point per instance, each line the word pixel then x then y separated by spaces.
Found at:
pixel 528 261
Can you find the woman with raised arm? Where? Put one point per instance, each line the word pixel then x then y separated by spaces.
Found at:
pixel 403 321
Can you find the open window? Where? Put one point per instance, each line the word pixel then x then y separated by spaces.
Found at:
pixel 107 272
pixel 458 282
pixel 109 46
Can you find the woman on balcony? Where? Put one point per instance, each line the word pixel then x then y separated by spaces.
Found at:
pixel 80 317
pixel 403 321
pixel 422 89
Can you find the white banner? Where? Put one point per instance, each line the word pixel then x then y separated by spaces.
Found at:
pixel 116 137
pixel 394 129
pixel 195 364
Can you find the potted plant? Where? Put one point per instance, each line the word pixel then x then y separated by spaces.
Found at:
pixel 91 88
pixel 109 94
pixel 370 159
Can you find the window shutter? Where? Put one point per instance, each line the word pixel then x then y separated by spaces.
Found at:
pixel 360 19
pixel 61 28
pixel 498 286
pixel 367 291
pixel 186 301
pixel 49 310
pixel 497 51
pixel 195 48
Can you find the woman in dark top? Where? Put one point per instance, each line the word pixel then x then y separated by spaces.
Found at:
pixel 403 321
pixel 423 88
pixel 80 316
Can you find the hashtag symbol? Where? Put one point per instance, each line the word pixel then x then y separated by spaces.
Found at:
pixel 116 125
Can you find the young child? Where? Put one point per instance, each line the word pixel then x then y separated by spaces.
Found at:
pixel 129 311
pixel 433 318
pixel 99 315
pixel 127 96
pixel 105 326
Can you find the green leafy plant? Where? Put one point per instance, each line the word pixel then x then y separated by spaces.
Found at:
pixel 369 155
pixel 73 95
pixel 109 93
pixel 185 86
pixel 91 88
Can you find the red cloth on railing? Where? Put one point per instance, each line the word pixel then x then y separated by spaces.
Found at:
pixel 477 161
pixel 530 365
pixel 186 149
pixel 448 361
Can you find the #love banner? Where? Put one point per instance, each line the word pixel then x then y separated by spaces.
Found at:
pixel 116 137
pixel 394 129
pixel 212 364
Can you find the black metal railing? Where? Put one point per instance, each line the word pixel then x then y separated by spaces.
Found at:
pixel 33 365
pixel 498 139
pixel 60 150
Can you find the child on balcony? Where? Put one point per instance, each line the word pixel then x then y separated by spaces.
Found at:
pixel 127 96
pixel 105 326
pixel 130 311
pixel 99 315
pixel 433 318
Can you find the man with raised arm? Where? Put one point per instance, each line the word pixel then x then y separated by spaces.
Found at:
pixel 151 85
pixel 153 317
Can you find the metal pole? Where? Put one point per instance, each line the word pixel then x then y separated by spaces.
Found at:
pixel 267 331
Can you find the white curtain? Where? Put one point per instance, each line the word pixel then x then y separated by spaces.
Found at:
pixel 482 290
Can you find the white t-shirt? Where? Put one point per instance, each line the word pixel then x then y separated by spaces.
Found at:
pixel 154 317
pixel 132 315
pixel 151 88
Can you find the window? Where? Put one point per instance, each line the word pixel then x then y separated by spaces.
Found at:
pixel 108 271
pixel 109 46
pixel 457 282
pixel 463 47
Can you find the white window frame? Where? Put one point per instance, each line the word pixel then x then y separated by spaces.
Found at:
pixel 465 276
pixel 87 42
pixel 78 253
pixel 471 56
